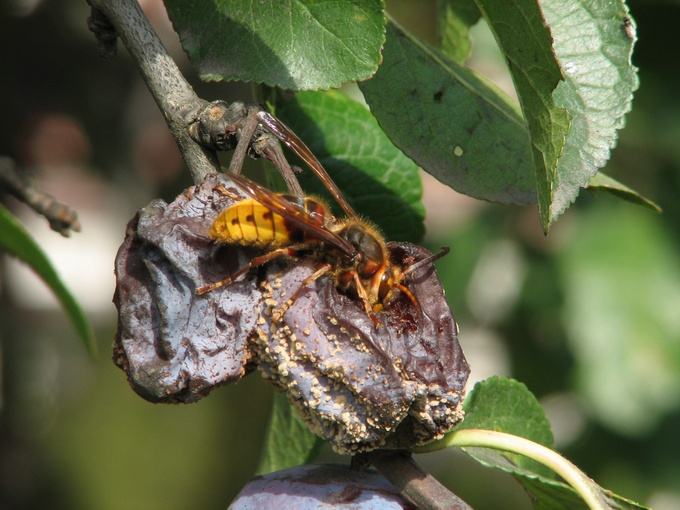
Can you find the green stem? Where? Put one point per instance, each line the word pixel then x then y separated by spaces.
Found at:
pixel 587 489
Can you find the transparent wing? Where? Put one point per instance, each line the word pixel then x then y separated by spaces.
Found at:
pixel 294 213
pixel 291 140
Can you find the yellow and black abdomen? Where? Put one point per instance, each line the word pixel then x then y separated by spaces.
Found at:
pixel 251 223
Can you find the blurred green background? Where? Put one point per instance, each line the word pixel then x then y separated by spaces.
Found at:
pixel 588 318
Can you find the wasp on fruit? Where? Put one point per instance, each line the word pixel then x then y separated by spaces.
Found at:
pixel 298 226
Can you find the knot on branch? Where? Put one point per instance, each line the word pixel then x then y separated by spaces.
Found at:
pixel 105 32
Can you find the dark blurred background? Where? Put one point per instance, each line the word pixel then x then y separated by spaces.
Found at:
pixel 588 318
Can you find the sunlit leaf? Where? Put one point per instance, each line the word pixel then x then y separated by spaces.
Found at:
pixel 594 50
pixel 535 73
pixel 506 405
pixel 454 124
pixel 292 44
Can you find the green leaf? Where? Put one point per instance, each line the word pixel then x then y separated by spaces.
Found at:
pixel 293 44
pixel 536 74
pixel 17 241
pixel 380 182
pixel 455 125
pixel 547 493
pixel 455 19
pixel 507 408
pixel 493 448
pixel 621 284
pixel 594 51
pixel 505 405
pixel 289 441
pixel 604 183
pixel 554 495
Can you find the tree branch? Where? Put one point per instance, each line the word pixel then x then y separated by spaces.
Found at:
pixel 412 481
pixel 199 128
pixel 173 94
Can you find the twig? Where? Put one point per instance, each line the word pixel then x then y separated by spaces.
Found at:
pixel 62 218
pixel 199 128
pixel 173 94
pixel 414 483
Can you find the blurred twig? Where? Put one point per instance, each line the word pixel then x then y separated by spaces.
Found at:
pixel 62 218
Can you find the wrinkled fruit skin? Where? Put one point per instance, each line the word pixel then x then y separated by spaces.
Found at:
pixel 358 386
pixel 323 486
